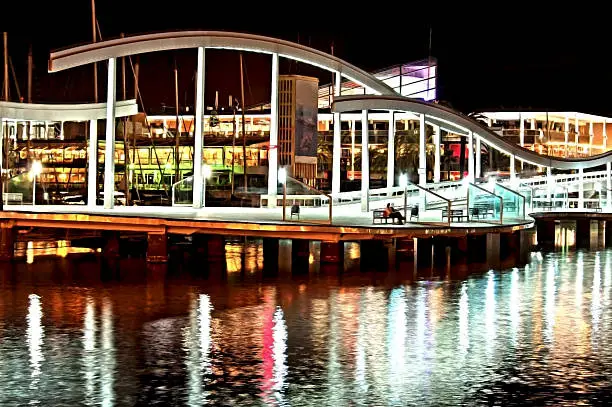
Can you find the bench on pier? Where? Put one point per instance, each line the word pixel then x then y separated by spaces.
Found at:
pixel 454 214
pixel 295 210
pixel 481 210
pixel 12 197
pixel 379 214
pixel 546 205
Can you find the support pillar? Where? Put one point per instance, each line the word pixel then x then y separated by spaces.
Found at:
pixel 273 151
pixel 300 255
pixel 332 252
pixel 478 158
pixel 546 232
pixel 109 151
pixel 337 143
pixel 92 164
pixel 581 188
pixel 423 253
pixel 157 247
pixel 391 153
pixel 8 235
pixel 197 135
pixel 422 151
pixel 372 253
pixel 470 143
pixel 270 254
pixel 512 168
pixel 608 234
pixel 365 163
pixel 110 249
pixel 583 234
pixel 437 135
pixel 493 251
pixel 525 244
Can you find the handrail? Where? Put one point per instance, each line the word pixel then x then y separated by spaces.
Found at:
pixel 501 202
pixel 448 201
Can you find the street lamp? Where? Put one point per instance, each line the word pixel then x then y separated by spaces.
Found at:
pixel 34 172
pixel 403 182
pixel 282 178
pixel 206 173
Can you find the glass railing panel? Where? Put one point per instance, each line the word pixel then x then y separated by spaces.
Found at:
pixel 514 202
pixel 182 192
pixel 483 205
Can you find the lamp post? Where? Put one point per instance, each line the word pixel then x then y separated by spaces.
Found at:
pixel 403 182
pixel 206 173
pixel 282 178
pixel 34 172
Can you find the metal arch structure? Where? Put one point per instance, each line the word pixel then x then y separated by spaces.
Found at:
pixel 456 122
pixel 64 112
pixel 139 44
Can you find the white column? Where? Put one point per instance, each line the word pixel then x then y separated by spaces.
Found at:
pixel 549 182
pixel 61 135
pixel 437 134
pixel 337 147
pixel 470 143
pixel 109 151
pixel 273 151
pixel 197 134
pixel 391 153
pixel 608 184
pixel 92 163
pixel 365 163
pixel 533 124
pixel 353 129
pixel 478 158
pixel 566 135
pixel 422 151
pixel 577 133
pixel 1 149
pixel 521 130
pixel 580 188
pixel 512 168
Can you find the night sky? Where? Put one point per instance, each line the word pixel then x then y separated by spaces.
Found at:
pixel 488 60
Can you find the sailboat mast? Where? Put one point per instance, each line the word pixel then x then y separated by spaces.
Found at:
pixel 126 143
pixel 93 31
pixel 30 74
pixel 244 157
pixel 231 103
pixel 178 126
pixel 6 75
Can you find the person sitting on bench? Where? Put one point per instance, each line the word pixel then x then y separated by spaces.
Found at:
pixel 390 212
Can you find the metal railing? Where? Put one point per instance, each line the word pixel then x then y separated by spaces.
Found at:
pixel 471 200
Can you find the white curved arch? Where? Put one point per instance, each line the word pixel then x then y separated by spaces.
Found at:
pixel 57 112
pixel 455 121
pixel 90 53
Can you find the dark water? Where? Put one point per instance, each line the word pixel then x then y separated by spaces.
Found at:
pixel 535 335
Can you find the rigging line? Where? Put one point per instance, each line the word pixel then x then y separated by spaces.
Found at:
pixel 246 73
pixel 147 123
pixel 15 78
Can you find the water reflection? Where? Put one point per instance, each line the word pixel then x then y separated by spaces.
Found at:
pixel 533 335
pixel 35 334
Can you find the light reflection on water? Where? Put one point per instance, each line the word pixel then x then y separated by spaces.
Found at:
pixel 537 334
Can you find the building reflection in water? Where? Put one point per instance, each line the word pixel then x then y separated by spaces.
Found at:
pixel 90 363
pixel 396 342
pixel 464 337
pixel 107 362
pixel 197 342
pixel 35 334
pixel 541 328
